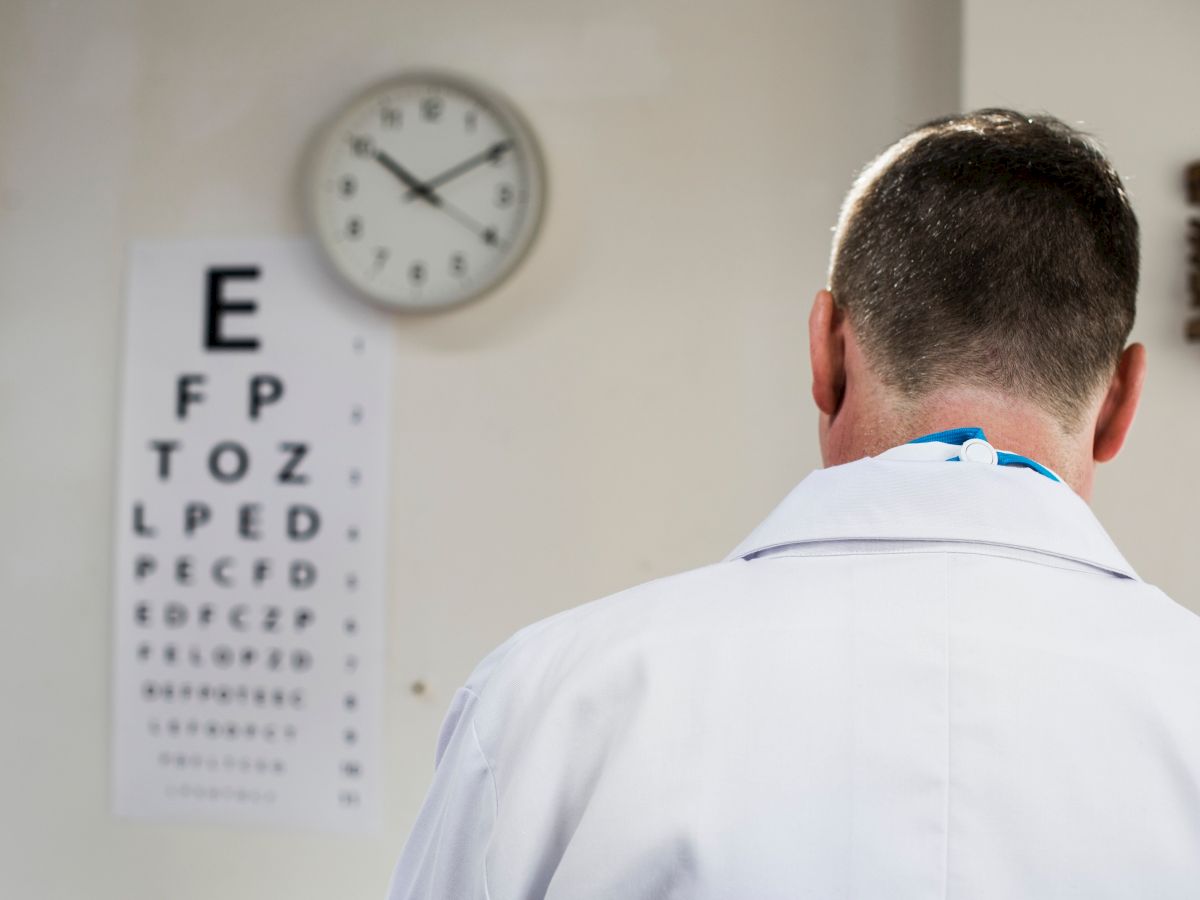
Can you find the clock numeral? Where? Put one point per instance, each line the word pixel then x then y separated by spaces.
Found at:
pixel 347 185
pixel 431 109
pixel 362 146
pixel 354 227
pixel 416 273
pixel 505 195
pixel 458 265
pixel 382 255
pixel 490 237
pixel 391 117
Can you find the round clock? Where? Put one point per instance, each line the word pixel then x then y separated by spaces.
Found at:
pixel 426 191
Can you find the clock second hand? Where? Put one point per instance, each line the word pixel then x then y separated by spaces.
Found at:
pixel 485 234
pixel 425 192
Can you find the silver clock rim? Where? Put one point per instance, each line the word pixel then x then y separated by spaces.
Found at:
pixel 489 98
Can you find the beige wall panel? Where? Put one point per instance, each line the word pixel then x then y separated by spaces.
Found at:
pixel 628 405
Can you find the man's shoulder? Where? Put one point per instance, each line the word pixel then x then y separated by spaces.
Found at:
pixel 681 619
pixel 1169 631
pixel 643 610
pixel 725 594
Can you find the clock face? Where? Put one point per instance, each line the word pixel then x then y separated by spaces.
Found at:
pixel 426 191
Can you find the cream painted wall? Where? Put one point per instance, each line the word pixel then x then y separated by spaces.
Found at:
pixel 1128 73
pixel 629 405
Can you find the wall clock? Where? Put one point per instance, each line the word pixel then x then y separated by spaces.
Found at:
pixel 426 191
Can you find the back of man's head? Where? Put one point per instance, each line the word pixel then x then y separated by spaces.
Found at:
pixel 990 250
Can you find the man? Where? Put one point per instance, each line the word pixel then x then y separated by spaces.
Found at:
pixel 929 673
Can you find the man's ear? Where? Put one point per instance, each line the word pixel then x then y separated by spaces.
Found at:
pixel 827 353
pixel 1120 404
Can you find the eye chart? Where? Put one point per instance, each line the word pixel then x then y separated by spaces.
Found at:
pixel 250 554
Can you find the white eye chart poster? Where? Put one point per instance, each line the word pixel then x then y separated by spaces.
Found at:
pixel 250 553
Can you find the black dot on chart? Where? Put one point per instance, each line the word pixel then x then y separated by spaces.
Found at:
pixel 351 626
pixel 355 476
pixel 352 533
pixel 350 736
pixel 352 581
pixel 359 345
pixel 350 701
pixel 356 414
pixel 351 663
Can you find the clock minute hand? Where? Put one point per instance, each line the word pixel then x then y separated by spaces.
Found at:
pixel 492 153
pixel 416 188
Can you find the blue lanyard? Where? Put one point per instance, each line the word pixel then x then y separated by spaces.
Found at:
pixel 962 435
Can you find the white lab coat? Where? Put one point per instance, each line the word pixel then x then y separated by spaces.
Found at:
pixel 916 679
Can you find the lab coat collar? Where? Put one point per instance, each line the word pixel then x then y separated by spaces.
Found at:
pixel 910 493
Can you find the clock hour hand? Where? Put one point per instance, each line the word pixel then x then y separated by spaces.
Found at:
pixel 491 154
pixel 415 187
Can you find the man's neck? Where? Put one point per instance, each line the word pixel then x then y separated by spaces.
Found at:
pixel 1011 425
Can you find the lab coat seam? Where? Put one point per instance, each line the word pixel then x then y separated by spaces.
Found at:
pixel 1085 567
pixel 452 721
pixel 947 595
pixel 495 805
